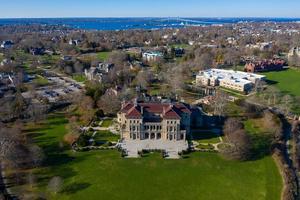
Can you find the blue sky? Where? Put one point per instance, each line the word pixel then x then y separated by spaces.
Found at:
pixel 149 8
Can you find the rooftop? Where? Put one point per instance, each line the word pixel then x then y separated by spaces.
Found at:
pixel 236 76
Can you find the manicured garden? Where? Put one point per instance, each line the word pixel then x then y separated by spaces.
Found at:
pixel 105 175
pixel 287 81
pixel 106 123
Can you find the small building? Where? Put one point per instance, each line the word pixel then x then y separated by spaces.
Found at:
pixel 294 52
pixel 265 65
pixel 6 61
pixel 74 42
pixel 37 51
pixel 152 56
pixel 93 74
pixel 66 58
pixel 7 44
pixel 235 80
pixel 260 45
pixel 105 67
pixel 177 52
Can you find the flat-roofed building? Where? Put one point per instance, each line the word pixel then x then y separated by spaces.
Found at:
pixel 152 56
pixel 235 80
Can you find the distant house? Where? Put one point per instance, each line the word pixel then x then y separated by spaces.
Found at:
pixel 74 42
pixel 152 56
pixel 179 52
pixel 260 45
pixel 265 65
pixel 93 74
pixel 5 62
pixel 113 91
pixel 37 51
pixel 191 43
pixel 294 52
pixel 67 58
pixel 105 67
pixel 7 44
pixel 134 50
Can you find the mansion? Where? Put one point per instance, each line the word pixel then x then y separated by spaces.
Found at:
pixel 156 126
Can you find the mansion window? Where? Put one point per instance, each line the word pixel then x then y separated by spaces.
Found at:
pixel 152 136
pixel 158 136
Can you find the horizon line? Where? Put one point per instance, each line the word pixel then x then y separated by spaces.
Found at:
pixel 136 17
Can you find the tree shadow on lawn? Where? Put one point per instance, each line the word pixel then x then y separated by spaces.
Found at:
pixel 271 82
pixel 261 146
pixel 44 176
pixel 205 136
pixel 75 187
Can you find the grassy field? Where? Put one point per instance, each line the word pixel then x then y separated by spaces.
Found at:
pixel 105 175
pixel 79 78
pixel 103 56
pixel 287 81
pixel 41 81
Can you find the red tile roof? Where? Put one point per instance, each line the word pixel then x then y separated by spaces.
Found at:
pixel 165 110
pixel 134 112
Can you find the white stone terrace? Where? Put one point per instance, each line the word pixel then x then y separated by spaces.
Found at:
pixel 172 148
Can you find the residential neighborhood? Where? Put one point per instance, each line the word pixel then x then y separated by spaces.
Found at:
pixel 97 102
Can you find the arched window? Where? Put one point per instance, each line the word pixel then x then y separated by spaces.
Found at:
pixel 158 136
pixel 181 136
pixel 146 135
pixel 152 136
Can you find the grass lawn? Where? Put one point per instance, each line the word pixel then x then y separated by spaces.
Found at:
pixel 260 135
pixel 287 81
pixel 180 46
pixel 106 123
pixel 1 57
pixel 105 175
pixel 103 56
pixel 104 136
pixel 79 78
pixel 40 81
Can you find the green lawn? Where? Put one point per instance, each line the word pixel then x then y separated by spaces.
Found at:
pixel 105 175
pixel 1 57
pixel 104 136
pixel 252 127
pixel 41 81
pixel 79 78
pixel 287 81
pixel 103 56
pixel 106 123
pixel 180 46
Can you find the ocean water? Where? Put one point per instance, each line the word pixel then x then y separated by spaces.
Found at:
pixel 135 23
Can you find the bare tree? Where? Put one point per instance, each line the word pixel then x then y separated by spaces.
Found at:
pixel 110 104
pixel 220 103
pixel 286 103
pixel 231 125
